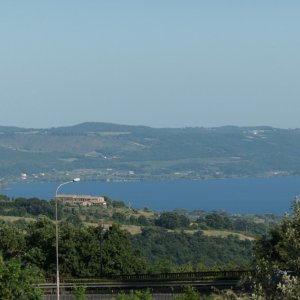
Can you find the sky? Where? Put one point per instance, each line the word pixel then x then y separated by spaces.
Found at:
pixel 159 63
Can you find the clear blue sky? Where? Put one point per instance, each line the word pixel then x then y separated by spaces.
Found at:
pixel 162 63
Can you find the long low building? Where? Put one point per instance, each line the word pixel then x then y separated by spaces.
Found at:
pixel 84 200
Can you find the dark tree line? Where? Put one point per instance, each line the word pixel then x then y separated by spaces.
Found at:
pixel 93 251
pixel 79 249
pixel 222 221
pixel 26 207
pixel 180 248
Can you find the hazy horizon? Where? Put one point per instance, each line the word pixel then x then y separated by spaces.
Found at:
pixel 156 127
pixel 160 63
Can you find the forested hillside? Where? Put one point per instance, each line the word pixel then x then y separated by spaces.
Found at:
pixel 164 242
pixel 101 151
pixel 105 242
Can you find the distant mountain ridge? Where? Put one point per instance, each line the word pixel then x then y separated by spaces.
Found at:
pixel 105 151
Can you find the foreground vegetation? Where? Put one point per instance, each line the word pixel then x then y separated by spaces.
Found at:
pixel 170 241
pixel 95 250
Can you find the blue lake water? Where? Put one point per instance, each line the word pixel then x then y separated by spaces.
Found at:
pixel 247 196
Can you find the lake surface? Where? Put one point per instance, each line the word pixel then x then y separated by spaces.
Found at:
pixel 247 196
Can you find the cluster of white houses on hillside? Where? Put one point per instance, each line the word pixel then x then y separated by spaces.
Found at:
pixel 81 199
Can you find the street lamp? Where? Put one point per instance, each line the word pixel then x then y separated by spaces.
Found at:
pixel 56 232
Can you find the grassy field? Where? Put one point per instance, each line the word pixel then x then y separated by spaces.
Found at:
pixel 223 233
pixel 220 233
pixel 132 229
pixel 12 218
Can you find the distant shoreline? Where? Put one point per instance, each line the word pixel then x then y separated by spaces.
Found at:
pixel 18 180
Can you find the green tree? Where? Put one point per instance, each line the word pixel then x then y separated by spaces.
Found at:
pixel 12 242
pixel 40 244
pixel 158 244
pixel 143 221
pixel 277 253
pixel 190 293
pixel 79 292
pixel 78 248
pixel 119 217
pixel 17 282
pixel 79 251
pixel 172 220
pixel 281 248
pixel 218 221
pixel 118 256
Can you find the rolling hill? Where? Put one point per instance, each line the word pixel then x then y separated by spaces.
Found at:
pixel 103 151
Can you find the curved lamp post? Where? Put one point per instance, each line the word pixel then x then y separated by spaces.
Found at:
pixel 56 232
